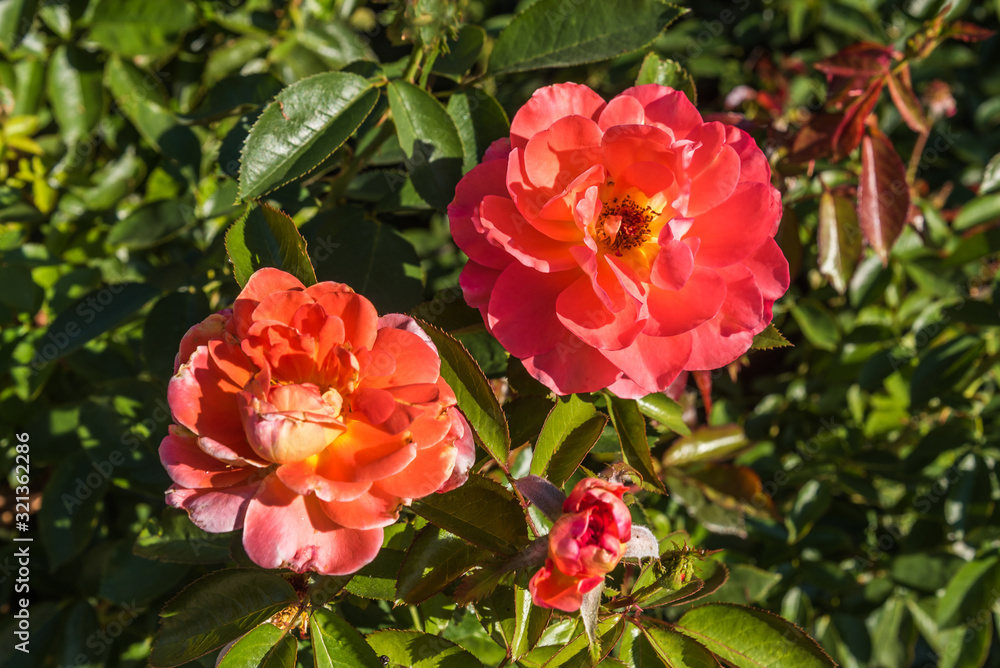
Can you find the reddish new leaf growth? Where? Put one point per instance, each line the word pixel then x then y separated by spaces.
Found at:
pixel 853 71
pixel 969 32
pixel 901 90
pixel 847 136
pixel 883 194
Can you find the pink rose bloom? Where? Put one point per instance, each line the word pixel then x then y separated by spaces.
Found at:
pixel 586 542
pixel 617 244
pixel 306 420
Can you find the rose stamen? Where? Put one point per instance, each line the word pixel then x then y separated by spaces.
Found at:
pixel 624 225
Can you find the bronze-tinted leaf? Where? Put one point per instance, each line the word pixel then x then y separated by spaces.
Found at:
pixel 838 239
pixel 814 140
pixel 883 194
pixel 847 136
pixel 901 90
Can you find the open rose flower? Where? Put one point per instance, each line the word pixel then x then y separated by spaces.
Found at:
pixel 586 542
pixel 616 244
pixel 306 420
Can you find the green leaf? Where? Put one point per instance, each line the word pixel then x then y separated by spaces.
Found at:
pixel 577 652
pixel 481 511
pixel 526 415
pixel 301 128
pixel 982 209
pixel 263 647
pixel 666 73
pixel 67 522
pixel 943 366
pixel 530 621
pixel 377 580
pixel 706 444
pixel 349 246
pixel 429 140
pixel 413 649
pixel 769 338
pixel 336 644
pixel 216 609
pixel 165 326
pixel 16 17
pixel 75 92
pixel 174 537
pixel 570 431
pixel 266 237
pixel 556 33
pixel 101 310
pixel 631 428
pixel 151 224
pixel 752 638
pixel 991 176
pixel 479 120
pixel 475 396
pixel 838 240
pixel 665 411
pixel 676 650
pixel 462 53
pixel 811 504
pixel 434 560
pixel 971 591
pixel 817 324
pixel 140 28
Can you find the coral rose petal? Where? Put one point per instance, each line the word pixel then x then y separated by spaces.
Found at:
pixel 359 316
pixel 673 312
pixel 625 145
pixel 622 110
pixel 212 327
pixel 372 510
pixel 556 156
pixel 551 588
pixel 756 206
pixel 753 162
pixel 488 178
pixel 424 475
pixel 652 362
pixel 214 510
pixel 547 105
pixel 525 321
pixel 414 360
pixel 667 108
pixel 262 283
pixel 743 307
pixel 286 530
pixel 584 314
pixel 715 183
pixel 303 478
pixel 711 350
pixel 189 466
pixel 364 453
pixel 465 451
pixel 673 265
pixel 375 404
pixel 503 225
pixel 477 284
pixel 281 306
pixel 571 367
pixel 770 270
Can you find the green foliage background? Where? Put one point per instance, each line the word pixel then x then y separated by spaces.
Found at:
pixel 877 436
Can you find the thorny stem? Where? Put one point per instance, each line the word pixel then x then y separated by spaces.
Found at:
pixel 522 500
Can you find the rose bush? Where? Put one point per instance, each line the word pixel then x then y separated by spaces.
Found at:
pixel 586 542
pixel 616 244
pixel 305 419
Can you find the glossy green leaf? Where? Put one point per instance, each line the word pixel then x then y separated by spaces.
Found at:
pixel 530 621
pixel 982 209
pixel 972 590
pixel 215 609
pixel 666 72
pixel 769 338
pixel 462 53
pixel 577 653
pixel 706 444
pixel 304 125
pixel 667 412
pixel 267 237
pixel 174 537
pixel 435 559
pixel 570 431
pixel 479 120
pixel 336 644
pixel 481 511
pixel 429 140
pixel 151 224
pixel 475 396
pixel 349 246
pixel 75 92
pixel 100 311
pixel 420 650
pixel 16 17
pixel 377 580
pixel 838 239
pixel 140 28
pixel 66 525
pixel 677 650
pixel 631 428
pixel 266 646
pixel 167 322
pixel 752 638
pixel 817 323
pixel 991 176
pixel 811 503
pixel 556 33
pixel 943 366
